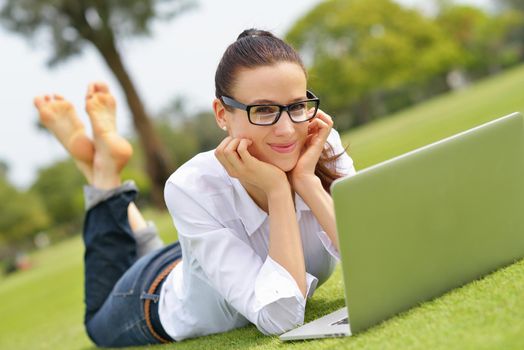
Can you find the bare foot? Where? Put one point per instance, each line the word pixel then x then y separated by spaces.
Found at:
pixel 112 150
pixel 59 117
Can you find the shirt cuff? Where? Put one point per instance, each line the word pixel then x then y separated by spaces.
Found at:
pixel 274 282
pixel 328 245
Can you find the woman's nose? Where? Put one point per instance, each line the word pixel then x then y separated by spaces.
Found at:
pixel 284 126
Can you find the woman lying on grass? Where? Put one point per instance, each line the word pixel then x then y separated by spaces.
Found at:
pixel 254 216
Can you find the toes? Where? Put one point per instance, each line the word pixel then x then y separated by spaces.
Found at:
pixel 38 101
pixel 90 90
pixel 96 87
pixel 101 87
pixel 58 97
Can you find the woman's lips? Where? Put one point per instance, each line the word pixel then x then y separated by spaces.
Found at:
pixel 283 147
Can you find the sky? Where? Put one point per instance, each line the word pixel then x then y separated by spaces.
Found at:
pixel 178 60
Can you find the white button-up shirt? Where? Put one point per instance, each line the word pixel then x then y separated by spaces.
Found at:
pixel 226 278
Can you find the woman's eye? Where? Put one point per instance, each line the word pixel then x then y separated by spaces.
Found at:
pixel 261 110
pixel 297 107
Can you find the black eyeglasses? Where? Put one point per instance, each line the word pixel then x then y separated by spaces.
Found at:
pixel 260 114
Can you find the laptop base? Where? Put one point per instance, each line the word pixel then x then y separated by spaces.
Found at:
pixel 329 326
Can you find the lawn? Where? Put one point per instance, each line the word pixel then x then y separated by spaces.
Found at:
pixel 42 308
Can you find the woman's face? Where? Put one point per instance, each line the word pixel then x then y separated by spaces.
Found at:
pixel 279 144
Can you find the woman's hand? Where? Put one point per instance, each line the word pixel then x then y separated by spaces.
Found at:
pixel 233 154
pixel 318 132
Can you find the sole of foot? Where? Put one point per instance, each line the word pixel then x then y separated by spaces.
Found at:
pixel 59 117
pixel 111 148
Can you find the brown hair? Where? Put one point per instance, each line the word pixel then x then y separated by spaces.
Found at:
pixel 254 48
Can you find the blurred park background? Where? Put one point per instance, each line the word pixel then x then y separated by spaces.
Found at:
pixel 395 75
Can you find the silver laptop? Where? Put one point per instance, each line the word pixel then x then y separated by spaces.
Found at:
pixel 418 225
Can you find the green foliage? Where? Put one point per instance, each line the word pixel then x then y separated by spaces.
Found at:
pixel 186 134
pixel 485 39
pixel 135 171
pixel 203 127
pixel 21 217
pixel 60 187
pixel 4 168
pixel 512 4
pixel 180 144
pixel 70 24
pixel 360 53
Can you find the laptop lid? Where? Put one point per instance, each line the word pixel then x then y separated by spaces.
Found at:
pixel 436 218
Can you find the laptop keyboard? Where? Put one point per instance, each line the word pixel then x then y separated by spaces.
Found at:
pixel 342 321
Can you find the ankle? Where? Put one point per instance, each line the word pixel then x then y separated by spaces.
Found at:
pixel 94 194
pixel 106 183
pixel 106 178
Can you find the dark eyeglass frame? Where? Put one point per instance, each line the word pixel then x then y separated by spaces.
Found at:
pixel 235 104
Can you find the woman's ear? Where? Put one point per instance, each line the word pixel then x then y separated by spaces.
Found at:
pixel 220 114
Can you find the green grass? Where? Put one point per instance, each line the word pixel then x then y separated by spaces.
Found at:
pixel 42 308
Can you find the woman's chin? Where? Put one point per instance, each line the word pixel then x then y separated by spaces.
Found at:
pixel 286 166
pixel 285 163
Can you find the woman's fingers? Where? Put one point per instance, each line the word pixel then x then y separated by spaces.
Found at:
pixel 318 132
pixel 242 149
pixel 221 154
pixel 325 117
pixel 232 157
pixel 230 151
pixel 321 125
pixel 325 121
pixel 219 151
pixel 227 153
pixel 243 152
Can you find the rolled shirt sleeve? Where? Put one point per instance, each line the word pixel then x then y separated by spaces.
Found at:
pixel 261 290
pixel 277 293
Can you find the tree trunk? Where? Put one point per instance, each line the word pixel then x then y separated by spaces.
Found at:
pixel 158 165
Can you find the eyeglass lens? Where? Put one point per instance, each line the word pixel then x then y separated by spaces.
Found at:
pixel 267 114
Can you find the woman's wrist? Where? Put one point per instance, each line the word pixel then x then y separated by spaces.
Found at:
pixel 278 190
pixel 305 183
pixel 275 184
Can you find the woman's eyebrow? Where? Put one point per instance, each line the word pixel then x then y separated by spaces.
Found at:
pixel 264 101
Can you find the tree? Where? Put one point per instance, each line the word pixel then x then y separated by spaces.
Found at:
pixel 485 38
pixel 516 9
pixel 4 168
pixel 73 24
pixel 186 134
pixel 366 58
pixel 514 4
pixel 22 216
pixel 60 187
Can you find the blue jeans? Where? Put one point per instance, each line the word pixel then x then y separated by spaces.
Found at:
pixel 116 282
